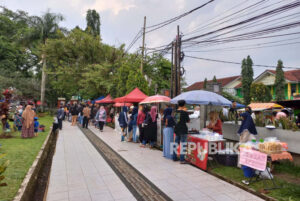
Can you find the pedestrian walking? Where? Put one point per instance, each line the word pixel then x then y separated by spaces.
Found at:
pixel 181 118
pixel 86 116
pixel 101 117
pixel 80 114
pixel 168 131
pixel 123 122
pixel 74 113
pixel 60 116
pixel 133 123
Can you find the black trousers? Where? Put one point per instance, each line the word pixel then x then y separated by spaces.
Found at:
pixel 142 130
pixel 101 125
pixel 85 122
pixel 60 123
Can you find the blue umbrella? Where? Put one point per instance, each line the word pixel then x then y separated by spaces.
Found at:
pixel 201 97
pixel 239 105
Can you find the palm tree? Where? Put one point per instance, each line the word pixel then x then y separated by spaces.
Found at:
pixel 45 27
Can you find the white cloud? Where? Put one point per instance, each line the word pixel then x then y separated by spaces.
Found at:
pixel 180 4
pixel 115 6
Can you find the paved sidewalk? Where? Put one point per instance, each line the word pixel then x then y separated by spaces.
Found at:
pixel 179 182
pixel 80 173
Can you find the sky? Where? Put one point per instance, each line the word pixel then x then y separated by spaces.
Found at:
pixel 122 19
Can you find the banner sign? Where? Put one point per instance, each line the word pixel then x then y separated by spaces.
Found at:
pixel 254 159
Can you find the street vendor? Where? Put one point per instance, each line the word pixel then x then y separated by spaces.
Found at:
pixel 247 130
pixel 215 123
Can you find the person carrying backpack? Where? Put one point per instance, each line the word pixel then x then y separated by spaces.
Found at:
pixel 181 118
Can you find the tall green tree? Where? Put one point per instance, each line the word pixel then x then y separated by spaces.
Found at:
pixel 75 61
pixel 260 93
pixel 205 83
pixel 93 22
pixel 247 78
pixel 279 82
pixel 215 79
pixel 46 27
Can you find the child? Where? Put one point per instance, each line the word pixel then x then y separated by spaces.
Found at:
pixel 18 121
pixel 36 126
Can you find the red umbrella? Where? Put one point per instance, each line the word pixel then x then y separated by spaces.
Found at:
pixel 156 99
pixel 122 104
pixel 107 99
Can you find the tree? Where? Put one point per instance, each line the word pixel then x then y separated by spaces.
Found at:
pixel 215 79
pixel 279 82
pixel 247 79
pixel 136 79
pixel 205 83
pixel 93 22
pixel 75 62
pixel 46 27
pixel 260 92
pixel 158 71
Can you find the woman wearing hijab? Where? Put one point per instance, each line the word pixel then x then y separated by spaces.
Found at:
pixel 101 116
pixel 28 122
pixel 168 133
pixel 247 130
pixel 140 121
pixel 151 127
pixel 123 121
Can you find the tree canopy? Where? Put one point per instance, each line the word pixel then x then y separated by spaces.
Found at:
pixel 260 93
pixel 247 79
pixel 279 82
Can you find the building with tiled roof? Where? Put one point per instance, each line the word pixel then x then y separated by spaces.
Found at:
pixel 292 79
pixel 228 84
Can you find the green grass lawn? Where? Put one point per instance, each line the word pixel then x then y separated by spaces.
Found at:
pixel 21 153
pixel 288 192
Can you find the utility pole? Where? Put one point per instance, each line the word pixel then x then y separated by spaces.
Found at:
pixel 143 45
pixel 172 72
pixel 176 67
pixel 178 91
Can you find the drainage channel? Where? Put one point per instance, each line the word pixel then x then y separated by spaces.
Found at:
pixel 138 184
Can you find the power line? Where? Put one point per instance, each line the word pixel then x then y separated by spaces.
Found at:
pixel 274 11
pixel 137 36
pixel 167 22
pixel 201 27
pixel 237 63
pixel 164 23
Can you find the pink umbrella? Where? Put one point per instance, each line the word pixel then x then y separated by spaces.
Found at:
pixel 156 99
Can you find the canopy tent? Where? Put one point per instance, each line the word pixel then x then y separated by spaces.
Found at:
pixel 264 106
pixel 201 97
pixel 156 99
pixel 97 99
pixel 100 98
pixel 122 104
pixel 107 99
pixel 135 96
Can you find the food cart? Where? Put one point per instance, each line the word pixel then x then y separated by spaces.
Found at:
pixel 203 139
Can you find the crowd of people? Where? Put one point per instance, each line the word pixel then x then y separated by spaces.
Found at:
pixel 85 115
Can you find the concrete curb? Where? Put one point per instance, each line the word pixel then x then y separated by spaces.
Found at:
pixel 29 185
